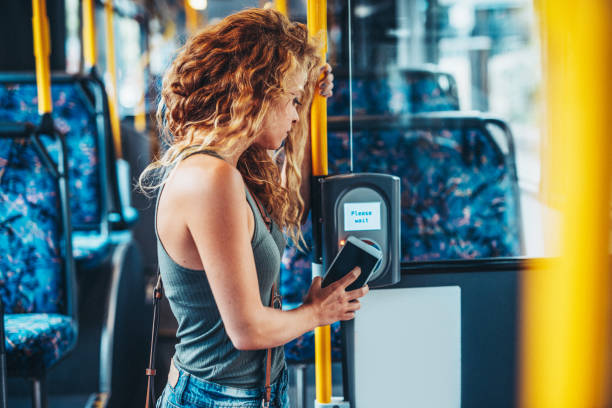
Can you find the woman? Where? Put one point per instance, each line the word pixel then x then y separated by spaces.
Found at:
pixel 237 93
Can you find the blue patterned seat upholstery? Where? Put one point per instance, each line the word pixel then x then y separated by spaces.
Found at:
pixel 417 91
pixel 72 116
pixel 32 269
pixel 294 283
pixel 459 191
pixel 405 91
pixel 35 341
pixel 371 95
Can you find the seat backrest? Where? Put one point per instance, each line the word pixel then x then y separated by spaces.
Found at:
pixel 417 91
pixel 296 273
pixel 399 92
pixel 74 116
pixel 459 188
pixel 32 267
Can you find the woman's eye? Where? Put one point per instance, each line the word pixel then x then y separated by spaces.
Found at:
pixel 297 102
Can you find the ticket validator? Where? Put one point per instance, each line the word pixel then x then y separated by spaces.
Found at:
pixel 367 206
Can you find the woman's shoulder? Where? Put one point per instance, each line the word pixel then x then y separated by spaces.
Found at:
pixel 202 176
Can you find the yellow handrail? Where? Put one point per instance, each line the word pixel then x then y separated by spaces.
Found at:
pixel 140 118
pixel 111 87
pixel 90 52
pixel 42 49
pixel 281 6
pixel 566 301
pixel 191 18
pixel 317 25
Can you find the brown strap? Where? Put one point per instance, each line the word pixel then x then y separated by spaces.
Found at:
pixel 276 302
pixel 150 371
pixel 268 369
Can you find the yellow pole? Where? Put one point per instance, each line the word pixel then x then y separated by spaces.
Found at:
pixel 191 18
pixel 566 301
pixel 317 25
pixel 281 5
pixel 140 119
pixel 42 49
pixel 90 53
pixel 112 86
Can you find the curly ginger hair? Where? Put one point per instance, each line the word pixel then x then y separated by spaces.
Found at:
pixel 216 94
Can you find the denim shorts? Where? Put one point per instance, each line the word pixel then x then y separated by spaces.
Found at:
pixel 193 392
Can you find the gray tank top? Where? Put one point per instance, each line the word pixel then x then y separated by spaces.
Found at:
pixel 204 348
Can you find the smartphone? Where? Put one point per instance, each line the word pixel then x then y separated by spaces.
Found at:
pixel 354 253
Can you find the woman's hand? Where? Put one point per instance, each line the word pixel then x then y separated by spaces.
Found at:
pixel 333 302
pixel 326 83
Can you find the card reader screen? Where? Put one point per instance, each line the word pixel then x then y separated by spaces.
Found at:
pixel 362 216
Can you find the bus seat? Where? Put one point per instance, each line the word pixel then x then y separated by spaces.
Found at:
pixel 460 197
pixel 30 235
pixel 459 189
pixel 36 272
pixel 422 90
pixel 90 156
pixel 399 92
pixel 338 145
pixel 18 103
pixel 371 95
pixel 294 283
pixel 48 336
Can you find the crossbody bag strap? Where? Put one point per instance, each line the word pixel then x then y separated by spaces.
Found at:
pixel 150 370
pixel 276 303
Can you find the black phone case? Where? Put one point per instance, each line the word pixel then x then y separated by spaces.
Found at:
pixel 349 257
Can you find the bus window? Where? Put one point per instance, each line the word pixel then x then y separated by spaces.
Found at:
pixel 446 95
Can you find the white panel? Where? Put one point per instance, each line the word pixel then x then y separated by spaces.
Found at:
pixel 408 348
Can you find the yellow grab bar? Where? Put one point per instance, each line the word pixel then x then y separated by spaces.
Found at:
pixel 323 375
pixel 317 25
pixel 112 86
pixel 281 6
pixel 90 54
pixel 42 49
pixel 566 301
pixel 140 118
pixel 192 18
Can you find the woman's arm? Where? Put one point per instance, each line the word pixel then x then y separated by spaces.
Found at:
pixel 216 213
